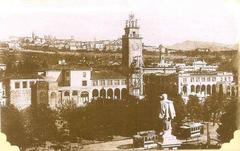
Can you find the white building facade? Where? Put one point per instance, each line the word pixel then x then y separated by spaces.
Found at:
pixel 80 86
pixel 203 84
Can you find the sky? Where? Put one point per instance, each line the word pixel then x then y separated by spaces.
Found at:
pixel 161 21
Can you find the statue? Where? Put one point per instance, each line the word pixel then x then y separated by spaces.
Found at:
pixel 167 113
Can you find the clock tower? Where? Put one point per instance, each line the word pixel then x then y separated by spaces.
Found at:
pixel 132 44
pixel 132 57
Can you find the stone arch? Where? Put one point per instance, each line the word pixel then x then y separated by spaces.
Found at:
pixel 117 93
pixel 184 89
pixel 53 95
pixel 214 89
pixel 208 89
pixel 228 90
pixel 95 93
pixel 233 91
pixel 221 89
pixel 103 93
pixel 53 99
pixel 124 93
pixel 198 88
pixel 85 96
pixel 203 88
pixel 110 93
pixel 74 93
pixel 192 88
pixel 66 93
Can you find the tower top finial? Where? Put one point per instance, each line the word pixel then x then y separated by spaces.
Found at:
pixel 131 16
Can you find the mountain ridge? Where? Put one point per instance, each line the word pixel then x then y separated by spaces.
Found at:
pixel 192 45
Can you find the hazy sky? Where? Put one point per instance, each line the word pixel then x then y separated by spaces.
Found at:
pixel 161 21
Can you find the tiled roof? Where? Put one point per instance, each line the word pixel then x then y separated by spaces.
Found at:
pixel 24 76
pixel 200 72
pixel 107 74
pixel 69 67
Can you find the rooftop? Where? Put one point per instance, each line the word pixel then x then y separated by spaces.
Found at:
pixel 24 76
pixel 68 67
pixel 107 74
pixel 199 72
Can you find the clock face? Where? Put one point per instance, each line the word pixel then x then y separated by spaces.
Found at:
pixel 135 47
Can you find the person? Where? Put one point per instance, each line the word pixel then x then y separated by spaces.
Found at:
pixel 167 112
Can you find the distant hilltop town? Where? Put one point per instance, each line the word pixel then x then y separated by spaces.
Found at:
pixel 52 43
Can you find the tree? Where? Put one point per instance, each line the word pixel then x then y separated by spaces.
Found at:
pixel 67 115
pixel 181 112
pixel 214 106
pixel 194 108
pixel 228 122
pixel 13 126
pixel 40 124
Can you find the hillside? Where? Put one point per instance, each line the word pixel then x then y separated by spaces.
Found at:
pixel 192 45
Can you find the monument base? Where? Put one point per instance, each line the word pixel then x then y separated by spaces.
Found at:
pixel 168 141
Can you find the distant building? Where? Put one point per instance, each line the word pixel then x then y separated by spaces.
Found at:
pixel 150 48
pixel 18 89
pixel 80 85
pixel 164 66
pixel 205 83
pixel 196 66
pixel 201 84
pixel 162 49
pixel 202 49
pixel 13 45
pixel 56 86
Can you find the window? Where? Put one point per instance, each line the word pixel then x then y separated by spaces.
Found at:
pixel 84 83
pixel 24 84
pixel 17 85
pixel 198 79
pixel 85 96
pixel 66 93
pixel 214 78
pixel 203 79
pixel 192 79
pixel 84 74
pixel 110 82
pixel 184 80
pixel 31 83
pixel 95 83
pixel 123 82
pixel 116 82
pixel 134 34
pixel 208 79
pixel 102 82
pixel 74 93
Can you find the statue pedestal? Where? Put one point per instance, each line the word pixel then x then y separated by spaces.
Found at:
pixel 168 141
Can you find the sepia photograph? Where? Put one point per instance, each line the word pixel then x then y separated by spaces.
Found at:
pixel 118 74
